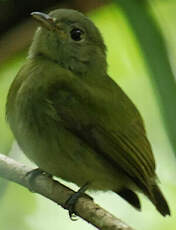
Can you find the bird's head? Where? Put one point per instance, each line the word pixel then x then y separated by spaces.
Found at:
pixel 71 39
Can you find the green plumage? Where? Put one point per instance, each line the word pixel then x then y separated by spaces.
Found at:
pixel 73 120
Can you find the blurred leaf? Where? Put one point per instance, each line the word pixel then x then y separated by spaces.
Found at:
pixel 16 206
pixel 7 73
pixel 156 59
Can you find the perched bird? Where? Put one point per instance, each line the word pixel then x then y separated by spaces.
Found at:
pixel 73 120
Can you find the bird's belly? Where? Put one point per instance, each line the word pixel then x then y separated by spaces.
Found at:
pixel 64 155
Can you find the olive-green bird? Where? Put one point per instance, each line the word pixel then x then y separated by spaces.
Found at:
pixel 73 120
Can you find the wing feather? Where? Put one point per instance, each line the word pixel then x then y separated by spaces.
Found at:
pixel 96 119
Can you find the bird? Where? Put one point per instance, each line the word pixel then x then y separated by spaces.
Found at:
pixel 73 120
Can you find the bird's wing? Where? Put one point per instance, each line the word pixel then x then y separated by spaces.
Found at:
pixel 107 120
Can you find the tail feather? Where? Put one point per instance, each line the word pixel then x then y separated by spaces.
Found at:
pixel 155 195
pixel 131 197
pixel 159 201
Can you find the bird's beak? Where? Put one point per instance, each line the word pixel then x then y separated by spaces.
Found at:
pixel 44 20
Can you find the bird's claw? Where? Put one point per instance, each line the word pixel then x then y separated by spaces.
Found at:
pixel 31 175
pixel 70 203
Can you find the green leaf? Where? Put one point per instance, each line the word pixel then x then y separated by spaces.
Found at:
pixel 155 54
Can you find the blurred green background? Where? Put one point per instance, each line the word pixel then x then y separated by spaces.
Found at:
pixel 141 41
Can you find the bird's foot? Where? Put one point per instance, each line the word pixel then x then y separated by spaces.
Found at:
pixel 31 176
pixel 70 203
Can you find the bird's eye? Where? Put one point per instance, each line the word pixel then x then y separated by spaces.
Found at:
pixel 76 34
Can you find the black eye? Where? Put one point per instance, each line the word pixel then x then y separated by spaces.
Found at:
pixel 76 34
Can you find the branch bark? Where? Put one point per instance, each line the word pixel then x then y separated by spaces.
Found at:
pixel 55 191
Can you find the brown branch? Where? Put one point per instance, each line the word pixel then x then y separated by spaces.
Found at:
pixel 55 191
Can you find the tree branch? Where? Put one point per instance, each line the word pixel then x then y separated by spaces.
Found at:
pixel 55 191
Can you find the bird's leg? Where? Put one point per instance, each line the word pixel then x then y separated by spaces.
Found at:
pixel 31 175
pixel 70 203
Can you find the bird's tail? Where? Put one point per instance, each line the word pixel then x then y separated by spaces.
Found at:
pixel 159 201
